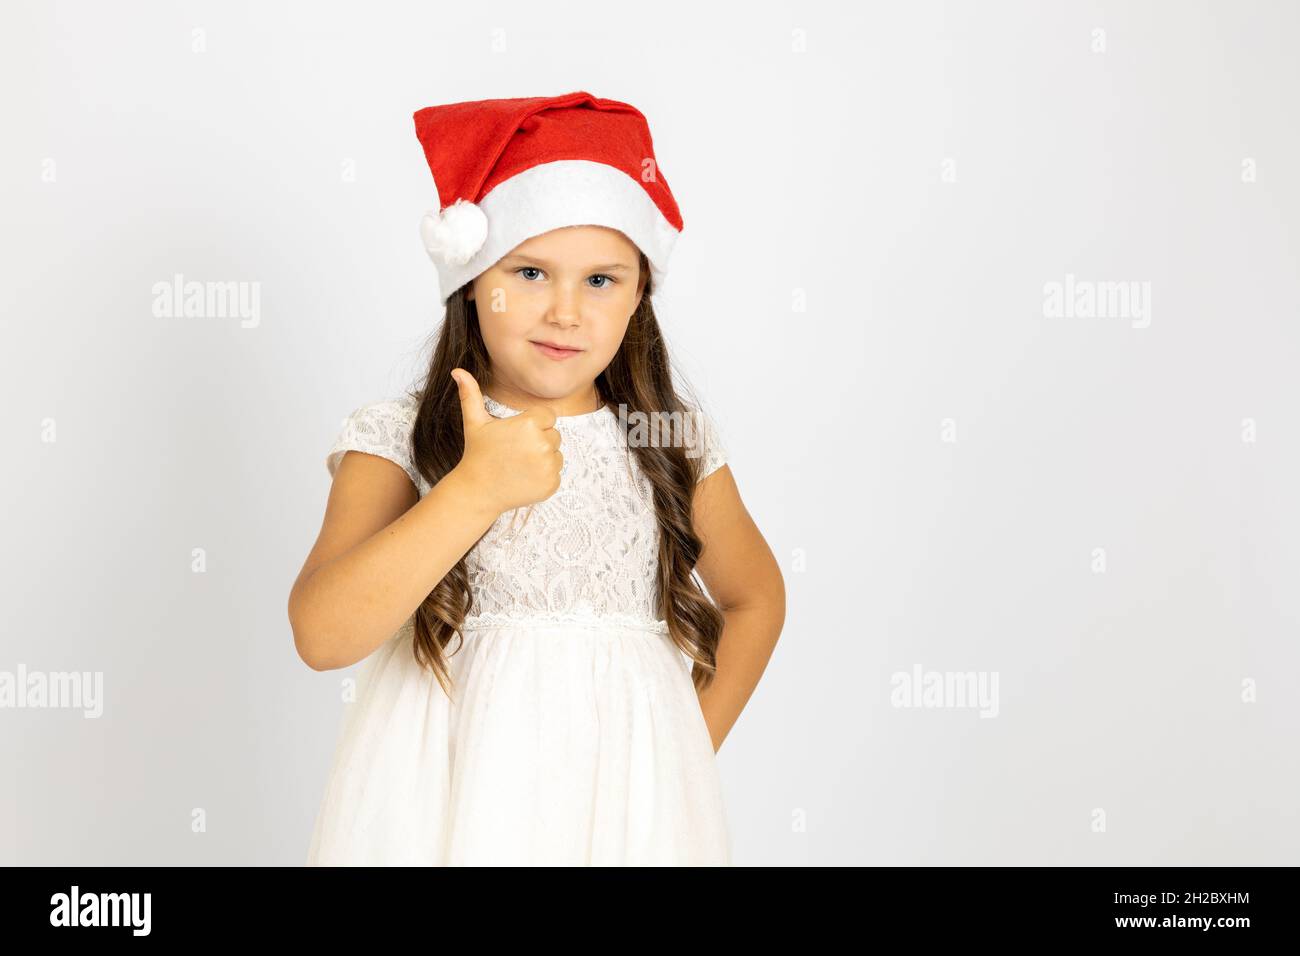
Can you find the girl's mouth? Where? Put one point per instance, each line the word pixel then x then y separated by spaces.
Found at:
pixel 557 354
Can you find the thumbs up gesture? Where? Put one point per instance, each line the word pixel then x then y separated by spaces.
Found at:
pixel 514 461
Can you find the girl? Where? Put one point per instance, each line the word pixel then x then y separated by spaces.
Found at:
pixel 511 548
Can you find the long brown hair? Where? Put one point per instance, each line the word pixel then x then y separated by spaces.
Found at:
pixel 638 378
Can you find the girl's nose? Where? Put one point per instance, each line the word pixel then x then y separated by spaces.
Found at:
pixel 564 305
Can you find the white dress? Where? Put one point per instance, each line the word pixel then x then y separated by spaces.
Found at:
pixel 574 735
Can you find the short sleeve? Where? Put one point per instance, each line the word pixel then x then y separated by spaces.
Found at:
pixel 711 452
pixel 379 428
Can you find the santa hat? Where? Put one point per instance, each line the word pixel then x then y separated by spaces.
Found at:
pixel 507 170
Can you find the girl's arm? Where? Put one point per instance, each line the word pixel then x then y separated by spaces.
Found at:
pixel 744 579
pixel 380 551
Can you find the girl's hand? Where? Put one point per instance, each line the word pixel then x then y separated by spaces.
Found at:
pixel 513 461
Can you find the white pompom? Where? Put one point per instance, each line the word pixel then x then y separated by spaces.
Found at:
pixel 455 234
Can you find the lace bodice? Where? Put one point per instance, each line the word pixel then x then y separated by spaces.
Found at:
pixel 587 555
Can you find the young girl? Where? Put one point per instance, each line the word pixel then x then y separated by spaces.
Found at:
pixel 511 548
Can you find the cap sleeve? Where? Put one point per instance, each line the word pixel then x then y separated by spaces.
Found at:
pixel 379 428
pixel 711 451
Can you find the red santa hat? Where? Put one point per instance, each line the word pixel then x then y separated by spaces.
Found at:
pixel 507 170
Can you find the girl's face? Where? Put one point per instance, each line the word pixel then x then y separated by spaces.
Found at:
pixel 576 287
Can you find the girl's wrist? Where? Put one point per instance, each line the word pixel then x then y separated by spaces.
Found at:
pixel 473 493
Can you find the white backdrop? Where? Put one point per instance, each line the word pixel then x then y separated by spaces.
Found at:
pixel 884 206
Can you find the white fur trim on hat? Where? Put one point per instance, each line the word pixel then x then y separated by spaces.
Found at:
pixel 567 192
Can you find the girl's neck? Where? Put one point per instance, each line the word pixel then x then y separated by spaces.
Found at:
pixel 583 402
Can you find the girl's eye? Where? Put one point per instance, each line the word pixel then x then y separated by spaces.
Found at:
pixel 609 280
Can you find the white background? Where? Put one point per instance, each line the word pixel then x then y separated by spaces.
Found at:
pixel 874 199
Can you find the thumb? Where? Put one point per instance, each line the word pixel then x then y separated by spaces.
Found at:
pixel 472 409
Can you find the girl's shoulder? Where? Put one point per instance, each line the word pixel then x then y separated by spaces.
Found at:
pixel 705 439
pixel 382 427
